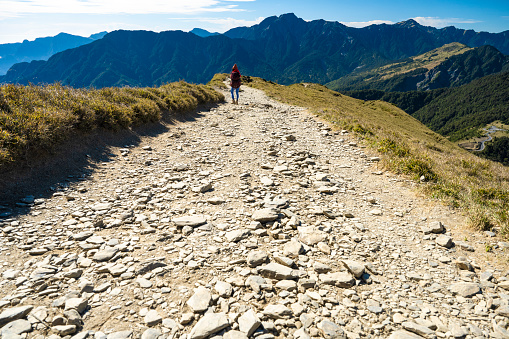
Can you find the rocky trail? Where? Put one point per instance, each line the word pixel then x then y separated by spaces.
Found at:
pixel 253 221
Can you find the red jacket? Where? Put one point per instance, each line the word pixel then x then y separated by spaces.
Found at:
pixel 235 75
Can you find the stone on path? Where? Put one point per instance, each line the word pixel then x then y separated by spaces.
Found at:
pixel 433 227
pixel 265 215
pixel 402 334
pixel 354 267
pixel 200 300
pixel 16 327
pixel 331 330
pixel 444 241
pixel 249 322
pixel 465 289
pixel 105 254
pixel 152 318
pixel 276 271
pixel 339 279
pixel 277 311
pixel 209 324
pixel 151 333
pixel 14 313
pixel 191 220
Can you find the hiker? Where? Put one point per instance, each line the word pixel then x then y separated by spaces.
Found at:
pixel 235 83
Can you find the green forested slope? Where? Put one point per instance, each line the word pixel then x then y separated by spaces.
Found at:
pixel 455 112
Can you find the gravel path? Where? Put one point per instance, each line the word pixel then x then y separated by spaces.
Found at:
pixel 254 220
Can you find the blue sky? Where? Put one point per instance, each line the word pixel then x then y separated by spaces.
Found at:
pixel 29 19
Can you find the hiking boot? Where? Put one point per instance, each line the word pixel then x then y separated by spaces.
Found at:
pixel 236 102
pixel 233 101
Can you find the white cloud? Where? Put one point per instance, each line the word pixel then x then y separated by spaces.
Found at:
pixel 359 24
pixel 443 22
pixel 13 8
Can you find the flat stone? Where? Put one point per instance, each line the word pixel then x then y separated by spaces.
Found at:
pixel 256 258
pixel 339 279
pixel 16 327
pixel 82 235
pixel 287 285
pixel 191 220
pixel 63 330
pixel 78 304
pixel 105 254
pixel 293 249
pixel 465 289
pixel 200 300
pixel 266 181
pixel 237 235
pixel 234 334
pixel 265 215
pixel 277 311
pixel 224 289
pixel 249 322
pixel 417 329
pixel 435 227
pixel 38 251
pixel 101 207
pixel 209 324
pixel 95 239
pixel 14 313
pixel 402 334
pixel 331 330
pixel 255 282
pixel 215 201
pixel 120 335
pixel 152 318
pixel 151 333
pixel 311 236
pixel 144 283
pixel 276 271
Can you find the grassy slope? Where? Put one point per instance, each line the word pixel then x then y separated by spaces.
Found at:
pixel 480 187
pixel 427 60
pixel 35 118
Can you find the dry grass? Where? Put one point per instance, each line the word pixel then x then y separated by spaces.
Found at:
pixel 455 176
pixel 35 117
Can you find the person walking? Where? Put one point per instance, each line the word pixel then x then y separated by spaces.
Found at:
pixel 235 83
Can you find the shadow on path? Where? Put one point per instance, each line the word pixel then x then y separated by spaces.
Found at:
pixel 44 173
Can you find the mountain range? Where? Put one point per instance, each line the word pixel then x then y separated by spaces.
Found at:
pixel 285 49
pixel 40 48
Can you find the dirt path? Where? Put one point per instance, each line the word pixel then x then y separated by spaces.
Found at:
pixel 253 220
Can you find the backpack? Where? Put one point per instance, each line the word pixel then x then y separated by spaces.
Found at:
pixel 235 79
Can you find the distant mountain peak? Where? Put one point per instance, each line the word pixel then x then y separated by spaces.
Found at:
pixel 409 23
pixel 202 32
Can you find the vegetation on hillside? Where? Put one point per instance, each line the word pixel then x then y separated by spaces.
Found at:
pixel 480 187
pixel 457 113
pixel 451 65
pixel 497 150
pixel 40 117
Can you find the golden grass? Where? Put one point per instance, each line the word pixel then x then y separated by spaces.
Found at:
pixel 218 80
pixel 428 60
pixel 35 117
pixel 479 187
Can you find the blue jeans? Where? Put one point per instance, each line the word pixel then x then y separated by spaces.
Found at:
pixel 236 91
